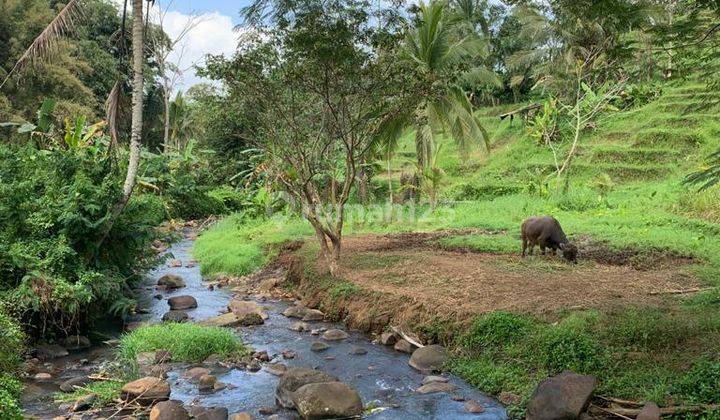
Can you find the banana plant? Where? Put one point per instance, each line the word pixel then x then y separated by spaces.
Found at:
pixel 79 136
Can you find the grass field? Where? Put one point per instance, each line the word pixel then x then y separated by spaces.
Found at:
pixel 626 196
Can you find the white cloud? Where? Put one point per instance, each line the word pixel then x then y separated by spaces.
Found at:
pixel 213 34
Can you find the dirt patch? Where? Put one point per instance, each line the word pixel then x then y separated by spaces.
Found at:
pixel 410 266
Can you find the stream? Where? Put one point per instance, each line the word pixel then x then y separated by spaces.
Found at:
pixel 382 376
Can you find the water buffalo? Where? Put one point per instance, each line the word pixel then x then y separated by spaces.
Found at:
pixel 546 232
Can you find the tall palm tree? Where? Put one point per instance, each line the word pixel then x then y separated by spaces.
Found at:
pixel 436 48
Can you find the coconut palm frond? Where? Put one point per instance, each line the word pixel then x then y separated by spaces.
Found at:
pixel 481 76
pixel 46 42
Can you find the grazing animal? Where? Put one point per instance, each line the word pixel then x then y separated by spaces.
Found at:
pixel 546 232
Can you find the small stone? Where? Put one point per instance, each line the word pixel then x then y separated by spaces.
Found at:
pixel 277 369
pixel 404 346
pixel 266 411
pixel 182 302
pixel 289 354
pixel 472 406
pixel 76 342
pixel 508 398
pixel 206 383
pixel 51 351
pixel 145 358
pixel 219 386
pixel 434 378
pixel 254 366
pixel 175 316
pixel 209 413
pixel 358 351
pixel 315 332
pixel 388 339
pixel 335 335
pixel 71 384
pixel 42 377
pixel 175 263
pixel 262 356
pixel 319 346
pixel 429 359
pixel 313 315
pixel 242 416
pixel 163 356
pixel 434 387
pixel 458 397
pixel 146 390
pixel 195 373
pixel 295 312
pixel 84 403
pixel 158 296
pixel 299 326
pixel 169 410
pixel 650 411
pixel 171 282
pixel 329 357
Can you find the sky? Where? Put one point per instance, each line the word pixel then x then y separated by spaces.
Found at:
pixel 213 35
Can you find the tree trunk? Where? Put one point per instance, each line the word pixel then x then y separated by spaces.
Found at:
pixel 363 186
pixel 137 120
pixel 166 117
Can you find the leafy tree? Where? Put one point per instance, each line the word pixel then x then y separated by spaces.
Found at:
pixel 321 85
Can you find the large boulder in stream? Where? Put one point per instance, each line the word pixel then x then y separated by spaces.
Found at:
pixel 564 396
pixel 171 282
pixel 175 316
pixel 429 359
pixel 327 400
pixel 247 312
pixel 179 303
pixel 227 320
pixel 146 390
pixel 169 410
pixel 293 379
pixel 209 413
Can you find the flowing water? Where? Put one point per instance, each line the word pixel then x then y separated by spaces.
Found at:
pixel 382 376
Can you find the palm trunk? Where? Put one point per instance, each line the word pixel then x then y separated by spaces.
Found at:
pixel 137 120
pixel 166 117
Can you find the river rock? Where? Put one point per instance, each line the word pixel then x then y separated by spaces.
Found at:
pixel 169 410
pixel 195 373
pixel 146 390
pixel 358 351
pixel 71 384
pixel 76 342
pixel 209 413
pixel 206 383
pixel 388 338
pixel 650 411
pixel 313 315
pixel 50 351
pixel 247 312
pixel 295 312
pixel 163 356
pixel 563 396
pixel 145 358
pixel 404 346
pixel 171 282
pixel 472 406
pixel 293 379
pixel 434 378
pixel 434 387
pixel 429 359
pixel 42 377
pixel 327 400
pixel 335 335
pixel 299 326
pixel 84 403
pixel 254 366
pixel 242 416
pixel 182 302
pixel 227 320
pixel 508 398
pixel 277 369
pixel 267 411
pixel 175 263
pixel 319 346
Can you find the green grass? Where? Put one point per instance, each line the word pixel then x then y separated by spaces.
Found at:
pixel 238 246
pixel 186 342
pixel 106 391
pixel 500 243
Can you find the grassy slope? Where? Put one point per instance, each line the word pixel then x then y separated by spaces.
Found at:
pixel 626 190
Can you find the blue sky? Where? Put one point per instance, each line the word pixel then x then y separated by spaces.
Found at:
pixel 224 7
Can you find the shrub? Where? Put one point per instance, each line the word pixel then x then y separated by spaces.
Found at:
pixel 564 347
pixel 497 328
pixel 10 390
pixel 11 337
pixel 186 342
pixel 475 191
pixel 232 199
